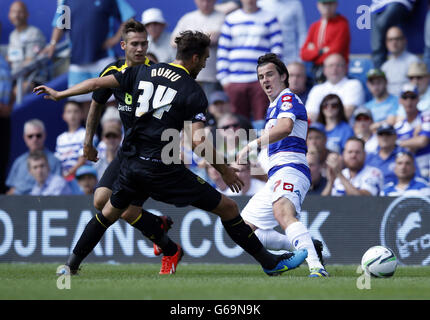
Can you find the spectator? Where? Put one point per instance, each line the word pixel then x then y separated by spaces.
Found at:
pixel 299 83
pixel 407 183
pixel 90 46
pixel 227 6
pixel 356 178
pixel 218 106
pixel 232 135
pixel 318 180
pixel 6 104
pixel 291 17
pixel 385 155
pixel 87 179
pixel 69 145
pixel 111 115
pixel 247 33
pixel 25 42
pixel 111 136
pixel 396 67
pixel 413 132
pixel 350 91
pixel 332 116
pixel 385 14
pixel 208 20
pixel 327 36
pixel 19 180
pixel 419 76
pixel 47 183
pixel 158 36
pixel 363 128
pixel 384 106
pixel 317 138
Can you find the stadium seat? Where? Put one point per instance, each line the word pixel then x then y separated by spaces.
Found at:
pixel 358 68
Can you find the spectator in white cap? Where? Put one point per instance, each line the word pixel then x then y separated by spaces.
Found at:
pixel 87 179
pixel 413 132
pixel 158 36
pixel 362 127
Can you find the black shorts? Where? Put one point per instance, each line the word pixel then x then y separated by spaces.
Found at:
pixel 111 174
pixel 173 184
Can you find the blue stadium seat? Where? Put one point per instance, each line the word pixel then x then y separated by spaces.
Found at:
pixel 357 69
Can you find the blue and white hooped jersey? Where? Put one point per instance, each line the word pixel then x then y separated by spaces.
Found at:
pixel 290 151
pixel 417 187
pixel 69 148
pixel 405 130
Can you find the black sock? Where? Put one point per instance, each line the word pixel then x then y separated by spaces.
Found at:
pixel 243 235
pixel 91 235
pixel 150 226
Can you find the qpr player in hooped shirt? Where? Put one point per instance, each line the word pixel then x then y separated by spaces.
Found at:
pixel 279 201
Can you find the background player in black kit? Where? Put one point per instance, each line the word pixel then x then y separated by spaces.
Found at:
pixel 166 95
pixel 135 44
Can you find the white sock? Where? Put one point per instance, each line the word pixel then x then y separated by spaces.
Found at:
pixel 299 236
pixel 273 240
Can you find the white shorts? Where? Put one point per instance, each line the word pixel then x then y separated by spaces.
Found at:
pixel 286 182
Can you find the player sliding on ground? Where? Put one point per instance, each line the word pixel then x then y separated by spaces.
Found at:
pixel 165 96
pixel 279 201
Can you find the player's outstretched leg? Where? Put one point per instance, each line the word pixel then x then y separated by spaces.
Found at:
pixel 274 240
pixel 285 213
pixel 166 224
pixel 242 234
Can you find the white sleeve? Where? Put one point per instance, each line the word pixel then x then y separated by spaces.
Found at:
pixel 373 181
pixel 353 93
pixel 313 101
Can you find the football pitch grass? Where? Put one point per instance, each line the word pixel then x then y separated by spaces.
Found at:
pixel 207 282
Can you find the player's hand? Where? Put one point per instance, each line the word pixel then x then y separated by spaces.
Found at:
pixel 90 153
pixel 242 156
pixel 50 93
pixel 231 179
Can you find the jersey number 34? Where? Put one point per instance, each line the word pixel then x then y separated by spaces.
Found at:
pixel 161 99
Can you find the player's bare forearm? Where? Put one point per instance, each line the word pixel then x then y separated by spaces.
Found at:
pixel 281 130
pixel 93 120
pixel 83 87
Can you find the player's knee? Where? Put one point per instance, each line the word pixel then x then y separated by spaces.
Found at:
pixel 231 206
pixel 100 198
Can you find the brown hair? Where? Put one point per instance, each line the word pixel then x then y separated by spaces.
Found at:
pixel 340 115
pixel 132 25
pixel 280 66
pixel 190 43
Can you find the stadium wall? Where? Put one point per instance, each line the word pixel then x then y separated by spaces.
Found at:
pixel 45 229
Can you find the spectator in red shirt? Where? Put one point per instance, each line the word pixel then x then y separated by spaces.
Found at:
pixel 328 35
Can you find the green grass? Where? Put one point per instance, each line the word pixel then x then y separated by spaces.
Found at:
pixel 206 282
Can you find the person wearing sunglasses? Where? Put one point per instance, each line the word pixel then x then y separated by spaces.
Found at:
pixel 413 132
pixel 19 180
pixel 332 116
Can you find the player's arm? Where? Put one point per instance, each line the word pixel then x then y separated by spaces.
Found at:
pixel 228 174
pixel 93 119
pixel 83 87
pixel 281 130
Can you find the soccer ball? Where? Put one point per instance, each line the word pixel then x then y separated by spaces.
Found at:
pixel 379 261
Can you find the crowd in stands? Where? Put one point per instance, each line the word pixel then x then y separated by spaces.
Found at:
pixel 369 138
